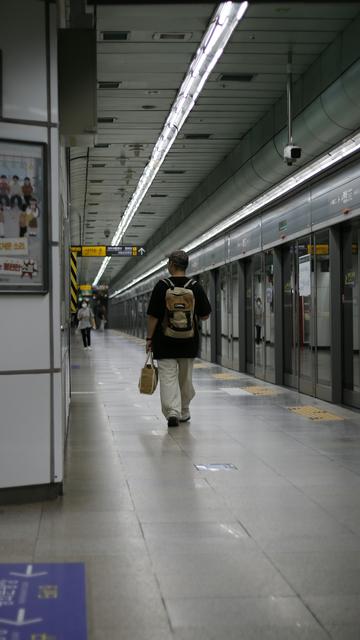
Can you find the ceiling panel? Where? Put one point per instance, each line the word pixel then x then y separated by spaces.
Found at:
pixel 149 72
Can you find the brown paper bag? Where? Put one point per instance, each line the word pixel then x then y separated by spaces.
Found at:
pixel 149 376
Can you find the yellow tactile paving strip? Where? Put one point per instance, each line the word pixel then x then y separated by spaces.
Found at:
pixel 224 376
pixel 260 391
pixel 313 413
pixel 201 365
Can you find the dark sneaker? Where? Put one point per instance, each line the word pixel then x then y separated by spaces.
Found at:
pixel 173 421
pixel 185 418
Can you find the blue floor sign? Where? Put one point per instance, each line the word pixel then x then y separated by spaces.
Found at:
pixel 42 602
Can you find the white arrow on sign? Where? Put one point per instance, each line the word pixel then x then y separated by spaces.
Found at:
pixel 141 251
pixel 20 619
pixel 29 573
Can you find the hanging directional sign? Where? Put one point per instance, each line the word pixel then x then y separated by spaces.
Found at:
pixel 100 251
pixel 42 602
pixel 126 251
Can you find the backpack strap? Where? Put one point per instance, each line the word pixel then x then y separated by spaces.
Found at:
pixel 191 281
pixel 168 282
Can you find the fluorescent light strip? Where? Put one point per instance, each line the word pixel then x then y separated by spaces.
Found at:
pixel 211 47
pixel 324 162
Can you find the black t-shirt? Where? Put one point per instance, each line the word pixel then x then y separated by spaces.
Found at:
pixel 163 346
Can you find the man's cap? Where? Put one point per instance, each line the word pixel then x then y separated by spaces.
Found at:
pixel 179 259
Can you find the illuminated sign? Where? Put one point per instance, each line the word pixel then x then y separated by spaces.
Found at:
pixel 101 251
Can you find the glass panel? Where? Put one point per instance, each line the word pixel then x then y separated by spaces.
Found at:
pixel 350 242
pixel 249 318
pixel 259 328
pixel 205 341
pixel 305 288
pixel 323 329
pixel 289 310
pixel 235 314
pixel 224 310
pixel 269 315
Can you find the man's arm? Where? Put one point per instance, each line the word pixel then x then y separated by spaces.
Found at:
pixel 151 326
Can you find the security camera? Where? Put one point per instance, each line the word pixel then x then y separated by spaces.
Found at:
pixel 106 233
pixel 291 153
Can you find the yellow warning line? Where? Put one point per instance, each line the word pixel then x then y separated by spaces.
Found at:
pixel 313 413
pixel 261 391
pixel 201 365
pixel 225 376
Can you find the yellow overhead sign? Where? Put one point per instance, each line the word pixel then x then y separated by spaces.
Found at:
pixel 100 251
pixel 94 252
pixel 85 287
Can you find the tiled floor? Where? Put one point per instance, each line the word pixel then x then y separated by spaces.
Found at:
pixel 269 550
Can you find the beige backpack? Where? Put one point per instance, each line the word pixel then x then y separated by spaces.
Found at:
pixel 180 306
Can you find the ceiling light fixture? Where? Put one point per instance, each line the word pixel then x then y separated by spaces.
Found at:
pixel 338 153
pixel 211 47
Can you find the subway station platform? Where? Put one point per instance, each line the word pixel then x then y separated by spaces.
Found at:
pixel 262 544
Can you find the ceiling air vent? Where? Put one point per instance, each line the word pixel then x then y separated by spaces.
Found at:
pixel 129 236
pixel 197 136
pixel 236 77
pixel 96 181
pixel 115 36
pixel 93 213
pixel 174 171
pixel 138 226
pixel 98 166
pixel 159 195
pixel 108 85
pixel 101 146
pixel 173 36
pixel 93 204
pixel 108 120
pixel 146 213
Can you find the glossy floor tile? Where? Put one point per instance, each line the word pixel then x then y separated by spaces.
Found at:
pixel 268 549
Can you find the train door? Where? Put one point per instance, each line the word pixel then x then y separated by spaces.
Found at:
pixel 269 317
pixel 234 277
pixel 350 313
pixel 228 316
pixel 306 319
pixel 249 317
pixel 205 334
pixel 224 315
pixel 258 289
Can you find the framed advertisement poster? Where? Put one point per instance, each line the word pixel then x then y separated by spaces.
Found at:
pixel 23 218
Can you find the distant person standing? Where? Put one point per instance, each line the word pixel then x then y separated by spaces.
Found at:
pixel 176 305
pixel 86 321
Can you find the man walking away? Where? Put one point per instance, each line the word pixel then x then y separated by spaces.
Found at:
pixel 176 305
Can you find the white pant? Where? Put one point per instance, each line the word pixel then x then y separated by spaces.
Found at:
pixel 176 387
